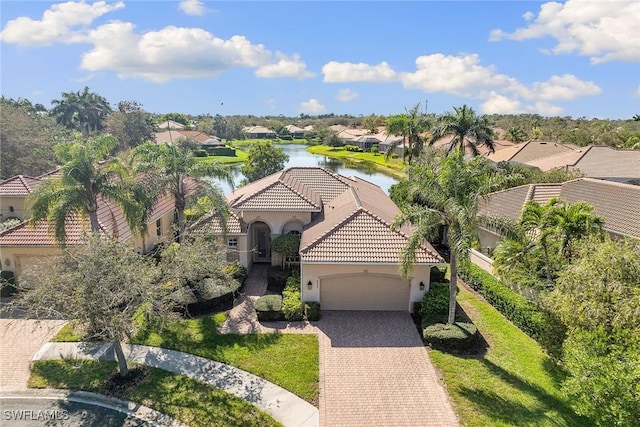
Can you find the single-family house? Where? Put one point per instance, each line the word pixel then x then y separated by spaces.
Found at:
pixel 295 131
pixel 170 124
pixel 13 191
pixel 349 253
pixel 23 244
pixel 530 150
pixel 259 132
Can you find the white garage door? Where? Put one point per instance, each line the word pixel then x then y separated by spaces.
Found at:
pixel 364 292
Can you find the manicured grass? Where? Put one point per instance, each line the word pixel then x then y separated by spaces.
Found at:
pixel 513 384
pixel 393 167
pixel 288 360
pixel 178 396
pixel 240 157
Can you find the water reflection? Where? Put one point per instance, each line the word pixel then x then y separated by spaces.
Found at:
pixel 299 156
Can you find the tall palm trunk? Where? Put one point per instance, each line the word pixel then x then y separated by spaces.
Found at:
pixel 453 287
pixel 181 204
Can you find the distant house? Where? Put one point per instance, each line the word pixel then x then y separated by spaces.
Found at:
pixel 170 124
pixel 22 245
pixel 483 150
pixel 295 131
pixel 13 192
pixel 348 134
pixel 258 132
pixel 530 150
pixel 349 253
pixel 366 142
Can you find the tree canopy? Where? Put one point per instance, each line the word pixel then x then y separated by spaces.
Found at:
pixel 264 159
pixel 83 111
pixel 467 130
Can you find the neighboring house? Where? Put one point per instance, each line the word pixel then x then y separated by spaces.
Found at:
pixel 258 132
pixel 309 128
pixel 531 150
pixel 23 245
pixel 349 255
pixel 170 124
pixel 366 142
pixel 201 138
pixel 618 204
pixel 348 134
pixel 295 131
pixel 12 194
pixel 498 145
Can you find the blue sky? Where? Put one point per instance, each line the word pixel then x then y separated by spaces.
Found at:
pixel 574 58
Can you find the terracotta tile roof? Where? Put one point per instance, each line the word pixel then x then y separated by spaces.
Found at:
pixel 356 228
pixel 498 145
pixel 210 223
pixel 568 158
pixel 18 185
pixel 611 163
pixel 323 181
pixel 277 192
pixel 53 174
pixel 294 129
pixel 618 204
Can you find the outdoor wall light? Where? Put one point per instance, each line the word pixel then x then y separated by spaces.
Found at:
pixel 422 286
pixel 309 285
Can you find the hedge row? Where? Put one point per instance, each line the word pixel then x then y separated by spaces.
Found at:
pixel 532 319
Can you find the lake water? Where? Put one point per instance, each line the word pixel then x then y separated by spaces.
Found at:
pixel 299 156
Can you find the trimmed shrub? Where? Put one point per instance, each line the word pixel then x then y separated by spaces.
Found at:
pixel 236 271
pixel 438 274
pixel 276 279
pixel 435 304
pixel 200 153
pixel 354 148
pixel 292 307
pixel 312 311
pixel 457 336
pixel 7 284
pixel 269 307
pixel 533 320
pixel 207 296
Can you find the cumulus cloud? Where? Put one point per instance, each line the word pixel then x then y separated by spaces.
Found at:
pixel 311 106
pixel 285 67
pixel 192 7
pixel 562 88
pixel 346 95
pixel 342 72
pixel 602 30
pixel 61 23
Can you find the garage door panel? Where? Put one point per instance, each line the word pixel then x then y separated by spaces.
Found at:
pixel 368 292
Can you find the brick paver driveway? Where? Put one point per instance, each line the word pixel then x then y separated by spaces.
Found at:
pixel 374 371
pixel 19 341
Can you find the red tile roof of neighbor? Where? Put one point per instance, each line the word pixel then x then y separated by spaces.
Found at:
pixel 618 204
pixel 18 185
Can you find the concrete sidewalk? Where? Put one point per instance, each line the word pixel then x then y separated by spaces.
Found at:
pixel 281 404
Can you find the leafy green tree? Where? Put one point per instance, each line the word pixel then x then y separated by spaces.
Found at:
pixel 100 284
pixel 130 124
pixel 168 167
pixel 411 126
pixel 88 174
pixel 444 193
pixel 598 298
pixel 83 111
pixel 264 159
pixel 176 117
pixel 466 129
pixel 515 134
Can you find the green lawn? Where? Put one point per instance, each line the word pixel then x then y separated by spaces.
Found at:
pixel 392 167
pixel 240 157
pixel 288 360
pixel 513 384
pixel 178 396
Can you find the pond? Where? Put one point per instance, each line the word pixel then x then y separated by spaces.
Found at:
pixel 299 156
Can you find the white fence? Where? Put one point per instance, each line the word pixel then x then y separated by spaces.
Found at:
pixel 481 260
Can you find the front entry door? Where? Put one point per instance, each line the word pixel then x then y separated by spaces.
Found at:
pixel 262 239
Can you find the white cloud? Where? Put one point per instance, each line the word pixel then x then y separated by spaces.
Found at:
pixel 311 106
pixel 501 104
pixel 562 88
pixel 460 75
pixel 602 30
pixel 346 95
pixel 285 67
pixel 61 23
pixel 637 92
pixel 192 7
pixel 169 53
pixel 341 72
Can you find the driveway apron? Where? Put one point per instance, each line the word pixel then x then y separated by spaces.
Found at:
pixel 375 371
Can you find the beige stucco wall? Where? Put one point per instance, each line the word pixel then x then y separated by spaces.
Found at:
pixel 276 220
pixel 316 272
pixel 151 238
pixel 488 239
pixel 18 207
pixel 18 258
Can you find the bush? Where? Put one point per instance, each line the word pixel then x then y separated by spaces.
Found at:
pixel 292 307
pixel 312 311
pixel 435 304
pixel 200 153
pixel 375 149
pixel 269 307
pixel 437 274
pixel 277 278
pixel 7 283
pixel 208 295
pixel 457 336
pixel 236 271
pixel 354 148
pixel 533 320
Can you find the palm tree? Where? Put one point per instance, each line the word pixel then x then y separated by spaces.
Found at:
pixel 87 175
pixel 515 134
pixel 83 111
pixel 466 129
pixel 540 221
pixel 445 193
pixel 168 168
pixel 575 221
pixel 410 126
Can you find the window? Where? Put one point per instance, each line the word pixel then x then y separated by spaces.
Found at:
pixel 11 209
pixel 296 232
pixel 232 242
pixel 159 227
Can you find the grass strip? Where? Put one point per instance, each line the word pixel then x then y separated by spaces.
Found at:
pixel 180 397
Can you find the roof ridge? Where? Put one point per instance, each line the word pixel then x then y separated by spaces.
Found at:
pixel 356 198
pixel 305 198
pixel 603 181
pixel 330 231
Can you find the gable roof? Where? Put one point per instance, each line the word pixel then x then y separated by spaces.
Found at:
pixel 294 129
pixel 356 228
pixel 18 185
pixel 618 204
pixel 257 129
pixel 170 124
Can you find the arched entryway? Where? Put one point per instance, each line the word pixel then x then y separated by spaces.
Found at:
pixel 261 241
